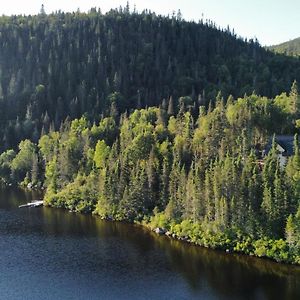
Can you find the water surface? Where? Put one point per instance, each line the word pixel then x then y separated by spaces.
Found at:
pixel 53 254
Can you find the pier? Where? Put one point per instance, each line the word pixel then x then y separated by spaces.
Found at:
pixel 35 203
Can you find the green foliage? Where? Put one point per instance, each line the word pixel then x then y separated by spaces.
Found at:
pixel 205 181
pixel 275 249
pixel 48 144
pixel 6 159
pixel 78 196
pixel 101 153
pixel 291 231
pixel 73 88
pixel 65 65
pixel 159 220
pixel 23 164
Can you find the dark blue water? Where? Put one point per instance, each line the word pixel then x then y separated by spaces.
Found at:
pixel 53 254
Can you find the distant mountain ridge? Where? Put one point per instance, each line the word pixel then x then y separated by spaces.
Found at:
pixel 291 48
pixel 65 65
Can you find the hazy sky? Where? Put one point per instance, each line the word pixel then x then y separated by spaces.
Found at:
pixel 271 21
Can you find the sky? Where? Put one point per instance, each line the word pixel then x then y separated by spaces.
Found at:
pixel 270 21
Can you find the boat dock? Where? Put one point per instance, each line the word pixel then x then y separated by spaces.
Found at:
pixel 35 203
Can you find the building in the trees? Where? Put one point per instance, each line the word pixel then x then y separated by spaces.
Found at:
pixel 284 147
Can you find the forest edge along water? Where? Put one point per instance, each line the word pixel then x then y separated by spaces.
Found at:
pixel 162 138
pixel 78 255
pixel 183 237
pixel 179 126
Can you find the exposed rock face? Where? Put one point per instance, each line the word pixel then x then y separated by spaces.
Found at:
pixel 159 230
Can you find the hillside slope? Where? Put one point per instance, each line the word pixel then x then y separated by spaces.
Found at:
pixel 290 48
pixel 69 64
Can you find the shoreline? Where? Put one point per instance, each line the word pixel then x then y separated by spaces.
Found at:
pixel 162 232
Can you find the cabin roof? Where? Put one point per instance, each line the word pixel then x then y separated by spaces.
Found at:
pixel 285 141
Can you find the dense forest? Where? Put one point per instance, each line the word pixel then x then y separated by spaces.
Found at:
pixel 120 115
pixel 72 64
pixel 203 175
pixel 291 48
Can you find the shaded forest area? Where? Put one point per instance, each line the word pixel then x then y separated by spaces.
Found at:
pixel 201 178
pixel 72 64
pixel 120 115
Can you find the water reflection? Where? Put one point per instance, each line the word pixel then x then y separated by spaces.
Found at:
pixel 127 254
pixel 230 274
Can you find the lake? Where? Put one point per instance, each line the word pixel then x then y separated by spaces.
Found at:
pixel 53 254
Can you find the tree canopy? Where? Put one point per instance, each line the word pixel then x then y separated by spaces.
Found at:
pixel 72 64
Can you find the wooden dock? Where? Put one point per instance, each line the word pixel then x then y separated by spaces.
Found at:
pixel 35 203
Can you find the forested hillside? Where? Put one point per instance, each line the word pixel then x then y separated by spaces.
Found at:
pixel 291 48
pixel 203 177
pixel 120 115
pixel 73 64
